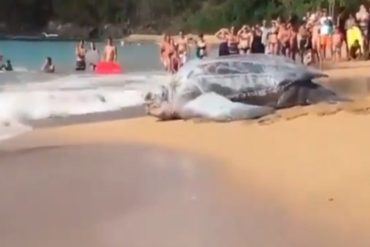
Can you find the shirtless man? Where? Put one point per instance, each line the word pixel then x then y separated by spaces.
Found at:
pixel 284 37
pixel 182 48
pixel 110 51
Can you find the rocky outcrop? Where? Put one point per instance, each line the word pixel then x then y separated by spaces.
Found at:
pixel 69 30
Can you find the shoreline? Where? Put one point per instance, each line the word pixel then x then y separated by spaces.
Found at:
pixel 211 39
pixel 125 113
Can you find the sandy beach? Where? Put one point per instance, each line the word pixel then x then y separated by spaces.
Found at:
pixel 297 178
pixel 134 38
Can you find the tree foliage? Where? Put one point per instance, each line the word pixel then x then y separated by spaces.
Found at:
pixel 199 15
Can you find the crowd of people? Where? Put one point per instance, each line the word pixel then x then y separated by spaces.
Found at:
pixel 314 38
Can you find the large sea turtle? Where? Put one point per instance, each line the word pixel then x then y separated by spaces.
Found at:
pixel 237 87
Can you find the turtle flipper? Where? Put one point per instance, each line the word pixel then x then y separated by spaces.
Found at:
pixel 215 107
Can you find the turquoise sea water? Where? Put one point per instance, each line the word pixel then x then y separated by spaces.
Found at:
pixel 30 55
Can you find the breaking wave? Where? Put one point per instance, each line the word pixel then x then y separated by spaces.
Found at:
pixel 28 96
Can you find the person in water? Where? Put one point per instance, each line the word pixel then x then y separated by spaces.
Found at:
pixel 2 65
pixel 110 51
pixel 201 47
pixel 80 56
pixel 7 66
pixel 93 49
pixel 48 66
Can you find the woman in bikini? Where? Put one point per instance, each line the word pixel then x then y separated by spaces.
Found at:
pixel 165 52
pixel 273 39
pixel 245 37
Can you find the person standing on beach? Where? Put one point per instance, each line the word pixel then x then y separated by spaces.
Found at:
pixel 182 48
pixel 164 55
pixel 222 35
pixel 363 17
pixel 337 45
pixel 266 31
pixel 80 56
pixel 326 32
pixel 110 51
pixel 256 43
pixel 284 37
pixel 245 39
pixel 174 57
pixel 201 50
pixel 273 41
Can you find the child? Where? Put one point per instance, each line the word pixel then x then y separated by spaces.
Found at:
pixel 337 44
pixel 355 50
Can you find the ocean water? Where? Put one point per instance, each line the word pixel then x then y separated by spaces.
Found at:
pixel 31 55
pixel 28 94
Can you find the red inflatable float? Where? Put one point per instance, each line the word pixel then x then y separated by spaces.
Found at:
pixel 108 68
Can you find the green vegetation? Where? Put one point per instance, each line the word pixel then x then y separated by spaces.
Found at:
pixel 155 15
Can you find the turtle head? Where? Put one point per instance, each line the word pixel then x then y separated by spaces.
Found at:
pixel 164 111
pixel 157 96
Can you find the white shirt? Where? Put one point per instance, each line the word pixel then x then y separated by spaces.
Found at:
pixel 325 27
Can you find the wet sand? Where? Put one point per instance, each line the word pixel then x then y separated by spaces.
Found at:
pixel 298 178
pixel 126 113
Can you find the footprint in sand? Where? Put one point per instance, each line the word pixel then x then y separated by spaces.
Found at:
pixel 357 107
pixel 270 119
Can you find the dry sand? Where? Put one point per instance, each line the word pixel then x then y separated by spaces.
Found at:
pixel 299 178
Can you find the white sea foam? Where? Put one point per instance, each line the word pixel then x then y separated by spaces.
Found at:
pixel 69 95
